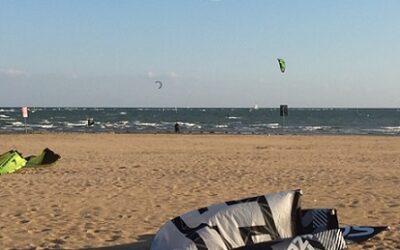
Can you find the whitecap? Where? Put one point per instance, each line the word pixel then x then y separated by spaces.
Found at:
pixel 315 128
pixel 47 126
pixel 145 124
pixel 18 124
pixel 392 129
pixel 273 125
pixel 81 124
pixel 190 125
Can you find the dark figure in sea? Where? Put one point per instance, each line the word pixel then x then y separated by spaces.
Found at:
pixel 176 128
pixel 90 122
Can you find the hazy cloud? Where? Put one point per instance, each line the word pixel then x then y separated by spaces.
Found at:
pixel 10 72
pixel 170 75
pixel 150 74
pixel 173 75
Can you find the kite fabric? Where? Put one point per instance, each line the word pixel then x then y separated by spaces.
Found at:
pixel 282 65
pixel 12 161
pixel 45 158
pixel 232 224
pixel 159 84
pixel 273 221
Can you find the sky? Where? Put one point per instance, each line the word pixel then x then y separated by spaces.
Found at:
pixel 207 53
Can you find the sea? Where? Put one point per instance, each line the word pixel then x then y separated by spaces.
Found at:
pixel 309 121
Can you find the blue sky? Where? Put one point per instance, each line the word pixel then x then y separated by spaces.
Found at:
pixel 207 53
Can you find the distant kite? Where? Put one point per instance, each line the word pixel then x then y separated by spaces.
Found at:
pixel 282 65
pixel 159 84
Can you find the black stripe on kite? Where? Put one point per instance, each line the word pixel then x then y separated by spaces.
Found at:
pixel 203 210
pixel 268 218
pixel 198 241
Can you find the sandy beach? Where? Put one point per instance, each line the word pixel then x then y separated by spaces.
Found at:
pixel 114 191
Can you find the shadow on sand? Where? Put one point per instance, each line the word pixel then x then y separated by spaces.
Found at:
pixel 143 243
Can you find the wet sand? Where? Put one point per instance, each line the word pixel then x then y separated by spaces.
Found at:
pixel 114 191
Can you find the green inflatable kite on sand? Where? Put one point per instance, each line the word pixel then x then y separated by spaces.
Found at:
pixel 45 158
pixel 12 161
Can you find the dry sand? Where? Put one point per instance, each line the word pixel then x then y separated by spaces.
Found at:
pixel 112 191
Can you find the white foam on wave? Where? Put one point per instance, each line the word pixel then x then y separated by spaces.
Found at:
pixel 122 113
pixel 273 125
pixel 315 128
pixel 221 126
pixel 268 125
pixel 234 117
pixel 392 129
pixel 47 126
pixel 190 125
pixel 17 124
pixel 7 110
pixel 41 125
pixel 80 124
pixel 4 116
pixel 145 124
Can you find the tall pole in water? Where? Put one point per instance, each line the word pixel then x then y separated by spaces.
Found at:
pixel 24 111
pixel 283 111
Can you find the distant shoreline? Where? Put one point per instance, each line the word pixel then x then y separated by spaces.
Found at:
pixel 204 121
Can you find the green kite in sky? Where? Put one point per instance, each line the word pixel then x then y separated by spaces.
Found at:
pixel 282 64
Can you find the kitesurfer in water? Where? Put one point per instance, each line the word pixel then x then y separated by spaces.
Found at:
pixel 90 122
pixel 177 130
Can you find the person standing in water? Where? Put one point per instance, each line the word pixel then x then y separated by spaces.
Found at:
pixel 177 130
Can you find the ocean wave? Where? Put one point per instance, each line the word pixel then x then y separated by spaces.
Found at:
pixel 385 130
pixel 273 125
pixel 234 117
pixel 221 126
pixel 190 125
pixel 121 124
pixel 46 126
pixel 146 124
pixel 393 129
pixel 7 110
pixel 263 125
pixel 315 128
pixel 18 124
pixel 72 125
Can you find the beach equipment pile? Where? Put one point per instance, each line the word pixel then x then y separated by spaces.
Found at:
pixel 274 221
pixel 12 160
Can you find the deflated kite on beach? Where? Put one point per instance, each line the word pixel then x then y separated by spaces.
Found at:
pixel 12 160
pixel 273 221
